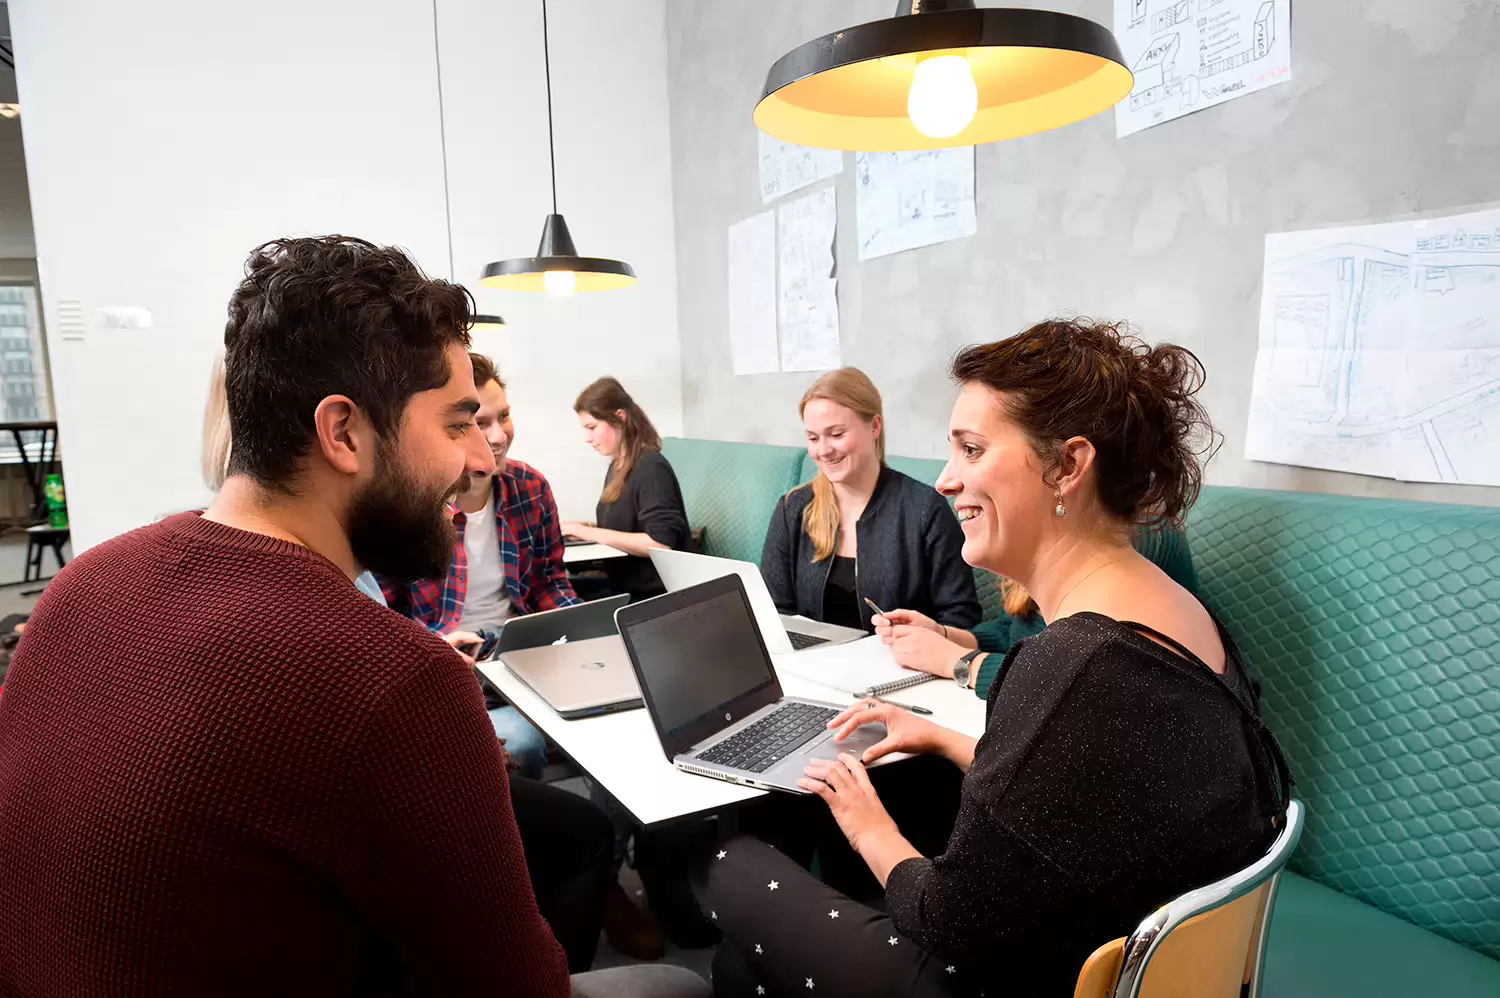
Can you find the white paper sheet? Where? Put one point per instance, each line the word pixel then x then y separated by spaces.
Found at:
pixel 785 168
pixel 910 199
pixel 809 306
pixel 1380 350
pixel 1191 54
pixel 853 667
pixel 752 295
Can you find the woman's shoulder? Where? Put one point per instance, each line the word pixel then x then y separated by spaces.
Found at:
pixel 915 492
pixel 796 500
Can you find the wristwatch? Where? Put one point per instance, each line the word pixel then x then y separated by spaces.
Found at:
pixel 961 668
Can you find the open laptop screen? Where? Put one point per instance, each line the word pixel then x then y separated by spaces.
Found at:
pixel 699 657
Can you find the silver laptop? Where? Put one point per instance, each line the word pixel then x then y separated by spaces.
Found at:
pixel 782 632
pixel 713 696
pixel 573 659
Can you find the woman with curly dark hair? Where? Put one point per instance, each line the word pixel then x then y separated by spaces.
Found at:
pixel 1124 761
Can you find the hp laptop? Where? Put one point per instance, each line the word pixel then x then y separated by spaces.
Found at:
pixel 782 632
pixel 713 696
pixel 573 659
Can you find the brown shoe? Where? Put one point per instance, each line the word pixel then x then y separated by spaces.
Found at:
pixel 630 930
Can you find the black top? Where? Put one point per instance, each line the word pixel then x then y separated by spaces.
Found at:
pixel 650 503
pixel 841 598
pixel 910 555
pixel 1113 775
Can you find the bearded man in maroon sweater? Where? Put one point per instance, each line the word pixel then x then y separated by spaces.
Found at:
pixel 223 769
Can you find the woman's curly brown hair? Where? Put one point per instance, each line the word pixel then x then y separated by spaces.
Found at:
pixel 1135 403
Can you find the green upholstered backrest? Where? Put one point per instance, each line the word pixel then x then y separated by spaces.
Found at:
pixel 1374 626
pixel 926 469
pixel 730 490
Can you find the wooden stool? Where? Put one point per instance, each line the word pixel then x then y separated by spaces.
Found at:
pixel 38 540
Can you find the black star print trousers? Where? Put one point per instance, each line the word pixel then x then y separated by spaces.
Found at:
pixel 780 939
pixel 787 933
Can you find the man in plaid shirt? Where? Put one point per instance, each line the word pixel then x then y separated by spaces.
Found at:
pixel 507 562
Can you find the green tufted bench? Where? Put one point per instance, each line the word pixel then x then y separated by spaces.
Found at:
pixel 1374 627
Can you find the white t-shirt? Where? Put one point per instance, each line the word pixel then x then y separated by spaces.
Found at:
pixel 486 600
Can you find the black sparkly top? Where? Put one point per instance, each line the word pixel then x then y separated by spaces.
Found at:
pixel 1113 775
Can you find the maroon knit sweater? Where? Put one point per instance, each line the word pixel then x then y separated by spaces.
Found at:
pixel 225 771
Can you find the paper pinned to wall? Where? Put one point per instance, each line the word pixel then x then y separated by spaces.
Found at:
pixel 752 295
pixel 785 168
pixel 809 306
pixel 1380 350
pixel 1188 55
pixel 908 199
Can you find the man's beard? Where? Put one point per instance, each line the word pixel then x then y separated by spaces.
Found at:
pixel 397 528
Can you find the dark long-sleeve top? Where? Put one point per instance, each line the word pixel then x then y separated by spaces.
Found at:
pixel 650 503
pixel 1113 776
pixel 910 554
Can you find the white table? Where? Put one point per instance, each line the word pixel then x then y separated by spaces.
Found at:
pixel 621 751
pixel 575 553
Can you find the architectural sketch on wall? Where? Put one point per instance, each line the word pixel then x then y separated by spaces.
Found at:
pixel 1380 351
pixel 752 295
pixel 1192 54
pixel 908 199
pixel 808 304
pixel 785 168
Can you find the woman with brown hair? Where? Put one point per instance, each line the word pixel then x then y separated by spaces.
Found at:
pixel 1124 761
pixel 860 529
pixel 641 506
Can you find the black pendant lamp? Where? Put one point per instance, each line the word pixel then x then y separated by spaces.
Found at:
pixel 942 73
pixel 479 322
pixel 557 268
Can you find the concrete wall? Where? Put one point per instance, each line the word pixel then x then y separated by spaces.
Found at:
pixel 1392 112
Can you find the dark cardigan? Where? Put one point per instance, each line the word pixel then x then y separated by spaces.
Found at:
pixel 910 555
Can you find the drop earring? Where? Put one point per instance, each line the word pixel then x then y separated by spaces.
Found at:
pixel 1060 510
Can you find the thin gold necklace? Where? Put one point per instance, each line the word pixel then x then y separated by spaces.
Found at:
pixel 1112 561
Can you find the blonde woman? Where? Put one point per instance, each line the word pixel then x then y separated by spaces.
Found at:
pixel 216 428
pixel 860 529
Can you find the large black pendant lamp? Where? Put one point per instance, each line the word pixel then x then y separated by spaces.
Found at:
pixel 942 73
pixel 557 268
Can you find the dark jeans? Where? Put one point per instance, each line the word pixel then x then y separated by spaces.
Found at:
pixel 569 845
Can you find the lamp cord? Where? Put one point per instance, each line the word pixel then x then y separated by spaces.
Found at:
pixel 551 142
pixel 437 54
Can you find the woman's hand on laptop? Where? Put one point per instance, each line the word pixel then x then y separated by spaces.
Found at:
pixel 904 731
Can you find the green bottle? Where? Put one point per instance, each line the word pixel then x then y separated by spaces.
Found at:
pixel 57 502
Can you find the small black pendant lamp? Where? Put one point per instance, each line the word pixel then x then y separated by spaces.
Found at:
pixel 480 322
pixel 557 267
pixel 942 73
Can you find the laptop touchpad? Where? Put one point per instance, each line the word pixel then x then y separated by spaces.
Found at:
pixel 862 738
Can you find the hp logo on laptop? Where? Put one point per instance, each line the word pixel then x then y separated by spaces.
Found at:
pixel 727 717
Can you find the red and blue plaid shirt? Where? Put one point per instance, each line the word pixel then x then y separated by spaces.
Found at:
pixel 531 548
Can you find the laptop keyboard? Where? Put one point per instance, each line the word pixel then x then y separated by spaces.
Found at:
pixel 801 641
pixel 767 741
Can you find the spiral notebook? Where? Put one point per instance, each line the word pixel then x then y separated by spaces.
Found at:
pixel 863 668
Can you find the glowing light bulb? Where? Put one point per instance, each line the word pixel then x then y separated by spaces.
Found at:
pixel 943 96
pixel 560 282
